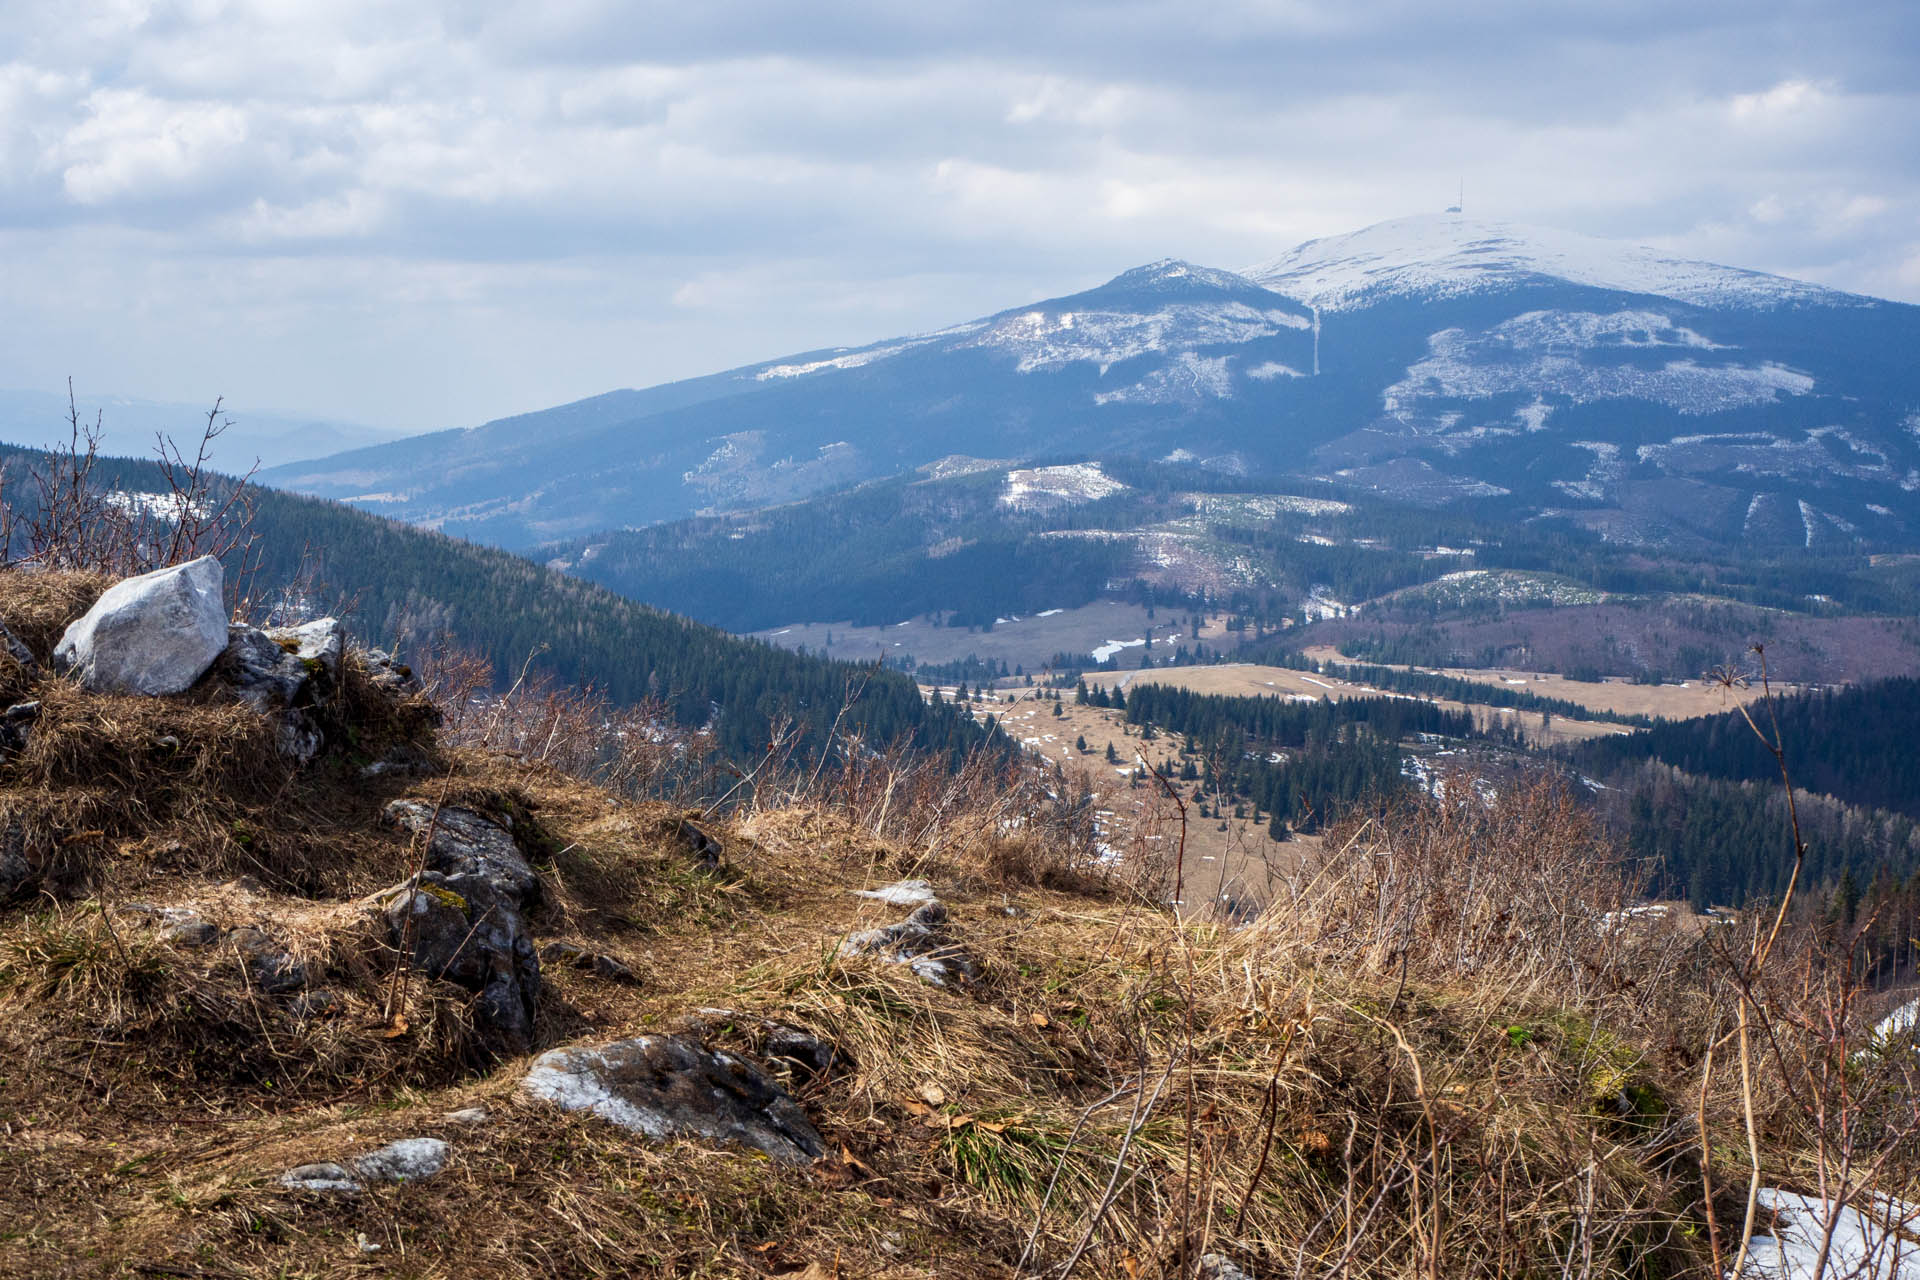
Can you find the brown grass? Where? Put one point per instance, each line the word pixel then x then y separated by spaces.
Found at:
pixel 1436 1053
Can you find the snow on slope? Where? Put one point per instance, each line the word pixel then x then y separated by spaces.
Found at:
pixel 1446 255
pixel 1031 488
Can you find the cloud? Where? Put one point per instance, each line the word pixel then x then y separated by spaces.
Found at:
pixel 436 213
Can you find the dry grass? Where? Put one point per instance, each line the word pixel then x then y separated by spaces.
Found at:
pixel 1434 1054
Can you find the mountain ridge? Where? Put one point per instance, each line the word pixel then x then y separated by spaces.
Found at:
pixel 1434 359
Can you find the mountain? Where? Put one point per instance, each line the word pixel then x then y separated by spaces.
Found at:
pixel 38 420
pixel 1436 360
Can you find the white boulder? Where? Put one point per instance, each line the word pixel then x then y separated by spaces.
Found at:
pixel 153 634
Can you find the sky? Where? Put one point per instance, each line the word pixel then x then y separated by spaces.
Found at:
pixel 438 212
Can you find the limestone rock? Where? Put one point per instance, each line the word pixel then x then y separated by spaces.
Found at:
pixel 464 932
pixel 580 957
pixel 806 1054
pixel 407 1160
pixel 921 942
pixel 277 683
pixel 465 917
pixel 701 844
pixel 901 893
pixel 391 675
pixel 670 1087
pixel 1218 1266
pixel 182 928
pixel 152 634
pixel 271 967
pixel 16 873
pixel 318 646
pixel 465 842
pixel 322 1179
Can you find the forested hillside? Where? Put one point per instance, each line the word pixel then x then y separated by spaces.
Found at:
pixel 408 587
pixel 1855 744
pixel 1305 764
pixel 880 553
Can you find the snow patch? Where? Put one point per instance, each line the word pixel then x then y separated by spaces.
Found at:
pixel 1076 482
pixel 1874 1240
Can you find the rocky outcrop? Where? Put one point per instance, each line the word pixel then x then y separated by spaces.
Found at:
pixel 152 634
pixel 407 1160
pixel 463 920
pixel 665 1086
pixel 468 842
pixel 922 942
pixel 389 675
pixel 290 674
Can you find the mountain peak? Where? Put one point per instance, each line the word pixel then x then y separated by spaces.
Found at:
pixel 1176 273
pixel 1449 254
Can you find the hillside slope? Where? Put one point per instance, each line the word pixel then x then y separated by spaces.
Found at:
pixel 229 1052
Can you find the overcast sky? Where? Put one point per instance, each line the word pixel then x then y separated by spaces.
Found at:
pixel 434 212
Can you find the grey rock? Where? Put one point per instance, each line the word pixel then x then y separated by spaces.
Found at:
pixel 701 844
pixel 185 929
pixel 390 675
pixel 15 723
pixel 580 957
pixel 18 651
pixel 16 873
pixel 320 1179
pixel 407 1160
pixel 465 842
pixel 318 646
pixel 463 930
pixel 922 943
pixel 670 1087
pixel 467 1116
pixel 464 917
pixel 270 966
pixel 152 634
pixel 314 1004
pixel 807 1054
pixel 398 762
pixel 1218 1266
pixel 276 683
pixel 901 893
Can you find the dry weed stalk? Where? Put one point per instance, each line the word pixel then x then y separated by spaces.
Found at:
pixel 65 519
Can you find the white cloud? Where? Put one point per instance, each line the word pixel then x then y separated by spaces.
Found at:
pixel 480 206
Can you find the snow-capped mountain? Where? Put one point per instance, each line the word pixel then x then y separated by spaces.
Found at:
pixel 1432 359
pixel 1446 255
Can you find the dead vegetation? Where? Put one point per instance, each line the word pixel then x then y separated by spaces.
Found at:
pixel 1443 1050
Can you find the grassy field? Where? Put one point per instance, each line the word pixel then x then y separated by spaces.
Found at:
pixel 1227 859
pixel 1682 701
pixel 1247 680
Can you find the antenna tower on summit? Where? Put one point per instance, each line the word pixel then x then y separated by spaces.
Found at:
pixel 1460 204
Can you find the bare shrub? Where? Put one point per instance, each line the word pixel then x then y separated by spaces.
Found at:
pixel 1462 889
pixel 63 517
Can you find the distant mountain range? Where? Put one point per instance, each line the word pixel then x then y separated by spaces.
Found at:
pixel 1435 360
pixel 271 438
